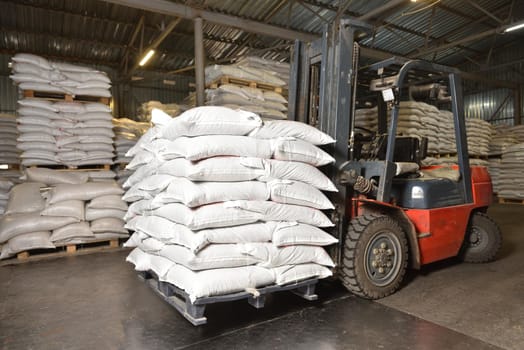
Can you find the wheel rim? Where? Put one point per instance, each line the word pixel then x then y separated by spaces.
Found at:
pixel 478 239
pixel 383 258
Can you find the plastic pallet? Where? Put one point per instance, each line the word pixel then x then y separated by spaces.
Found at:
pixel 194 311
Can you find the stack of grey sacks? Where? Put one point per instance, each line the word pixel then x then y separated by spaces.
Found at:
pixel 266 103
pixel 223 202
pixel 502 138
pixel 479 136
pixel 32 72
pixel 5 186
pixel 280 69
pixel 56 208
pixel 9 154
pixel 127 133
pixel 64 133
pixel 511 179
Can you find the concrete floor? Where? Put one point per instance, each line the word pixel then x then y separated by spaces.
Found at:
pixel 96 302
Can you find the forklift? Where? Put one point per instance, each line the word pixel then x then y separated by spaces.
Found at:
pixel 387 218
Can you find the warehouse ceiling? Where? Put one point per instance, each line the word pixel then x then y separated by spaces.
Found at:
pixel 117 33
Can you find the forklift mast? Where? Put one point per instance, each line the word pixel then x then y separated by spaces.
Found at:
pixel 322 92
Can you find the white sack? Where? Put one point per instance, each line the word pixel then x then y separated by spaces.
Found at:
pixel 24 242
pixel 25 198
pixel 295 273
pixel 270 256
pixel 301 234
pixel 53 177
pixel 86 191
pixel 107 202
pixel 72 208
pixel 94 214
pixel 76 230
pixel 287 128
pixel 16 224
pixel 108 225
pixel 209 120
pixel 207 216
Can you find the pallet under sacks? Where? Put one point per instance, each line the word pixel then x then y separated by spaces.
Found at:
pixel 226 206
pixel 58 213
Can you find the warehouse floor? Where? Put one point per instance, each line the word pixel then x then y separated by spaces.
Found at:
pixel 97 302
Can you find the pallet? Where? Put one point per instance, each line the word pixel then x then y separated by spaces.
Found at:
pixel 194 311
pixel 54 96
pixel 244 82
pixel 64 251
pixel 510 201
pixel 73 168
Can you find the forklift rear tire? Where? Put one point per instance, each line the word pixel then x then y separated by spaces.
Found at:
pixel 375 256
pixel 483 240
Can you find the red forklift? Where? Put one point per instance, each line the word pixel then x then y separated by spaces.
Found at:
pixel 388 219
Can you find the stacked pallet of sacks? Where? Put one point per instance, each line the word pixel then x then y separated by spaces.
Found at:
pixel 9 154
pixel 223 202
pixel 64 133
pixel 501 140
pixel 145 109
pixel 55 208
pixel 269 104
pixel 479 136
pixel 36 73
pixel 511 180
pixel 518 132
pixel 280 69
pixel 127 133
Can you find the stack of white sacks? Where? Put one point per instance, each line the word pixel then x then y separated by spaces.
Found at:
pixel 36 73
pixel 511 180
pixel 64 133
pixel 56 208
pixel 266 103
pixel 501 140
pixel 518 132
pixel 9 154
pixel 479 136
pixel 223 202
pixel 127 133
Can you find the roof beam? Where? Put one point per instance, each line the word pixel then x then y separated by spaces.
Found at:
pixel 391 4
pixel 115 22
pixel 183 11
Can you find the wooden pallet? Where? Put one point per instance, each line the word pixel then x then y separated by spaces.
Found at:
pixel 73 168
pixel 54 96
pixel 193 311
pixel 64 251
pixel 244 82
pixel 510 201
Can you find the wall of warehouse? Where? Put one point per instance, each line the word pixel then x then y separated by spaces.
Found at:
pixel 483 100
pixel 126 97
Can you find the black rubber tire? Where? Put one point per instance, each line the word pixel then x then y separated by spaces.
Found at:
pixel 356 273
pixel 482 241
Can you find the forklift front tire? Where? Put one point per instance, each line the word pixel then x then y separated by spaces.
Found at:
pixel 375 256
pixel 482 241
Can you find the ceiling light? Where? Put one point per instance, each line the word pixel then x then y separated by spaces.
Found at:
pixel 413 0
pixel 146 58
pixel 514 27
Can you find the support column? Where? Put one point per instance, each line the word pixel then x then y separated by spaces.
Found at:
pixel 199 62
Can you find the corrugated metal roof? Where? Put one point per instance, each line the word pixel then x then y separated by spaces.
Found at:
pixel 98 31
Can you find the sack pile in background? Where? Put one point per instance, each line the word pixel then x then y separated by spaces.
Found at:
pixel 36 73
pixel 511 179
pixel 64 133
pixel 479 136
pixel 9 154
pixel 266 103
pixel 223 202
pixel 127 133
pixel 502 138
pixel 144 111
pixel 56 208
